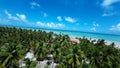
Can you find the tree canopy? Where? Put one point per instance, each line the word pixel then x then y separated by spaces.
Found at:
pixel 16 42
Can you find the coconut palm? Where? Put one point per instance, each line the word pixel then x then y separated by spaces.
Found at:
pixel 75 57
pixel 10 55
pixel 40 51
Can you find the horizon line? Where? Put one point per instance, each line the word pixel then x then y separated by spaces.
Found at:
pixel 57 29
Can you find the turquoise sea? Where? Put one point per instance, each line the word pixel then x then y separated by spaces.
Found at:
pixel 107 37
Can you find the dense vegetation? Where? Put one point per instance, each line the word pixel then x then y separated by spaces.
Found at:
pixel 16 42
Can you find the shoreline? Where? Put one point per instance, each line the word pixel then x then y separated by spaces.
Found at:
pixel 107 42
pixel 117 44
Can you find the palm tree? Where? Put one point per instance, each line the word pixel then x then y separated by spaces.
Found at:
pixel 75 57
pixel 40 51
pixel 10 55
pixel 27 62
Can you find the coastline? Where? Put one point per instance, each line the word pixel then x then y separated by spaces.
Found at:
pixel 117 44
pixel 107 42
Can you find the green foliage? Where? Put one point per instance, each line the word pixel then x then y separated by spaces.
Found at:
pixel 16 42
pixel 33 64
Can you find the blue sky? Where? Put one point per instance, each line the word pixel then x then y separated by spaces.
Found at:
pixel 101 16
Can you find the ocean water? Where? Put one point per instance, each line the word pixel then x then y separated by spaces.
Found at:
pixel 108 37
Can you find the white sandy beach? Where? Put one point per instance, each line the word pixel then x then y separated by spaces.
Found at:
pixel 117 44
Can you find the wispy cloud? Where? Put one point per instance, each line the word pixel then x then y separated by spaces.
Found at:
pixel 95 24
pixel 10 16
pixel 45 14
pixel 107 3
pixel 108 7
pixel 50 24
pixel 59 18
pixel 108 14
pixel 34 4
pixel 115 27
pixel 18 17
pixel 93 29
pixel 70 19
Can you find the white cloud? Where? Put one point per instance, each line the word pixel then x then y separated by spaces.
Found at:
pixel 10 15
pixel 95 24
pixel 34 4
pixel 93 29
pixel 50 24
pixel 21 17
pixel 108 7
pixel 45 14
pixel 115 27
pixel 69 19
pixel 108 14
pixel 108 3
pixel 39 23
pixel 59 18
pixel 105 14
pixel 60 25
pixel 18 17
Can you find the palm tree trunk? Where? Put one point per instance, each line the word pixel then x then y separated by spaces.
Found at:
pixel 6 60
pixel 53 63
